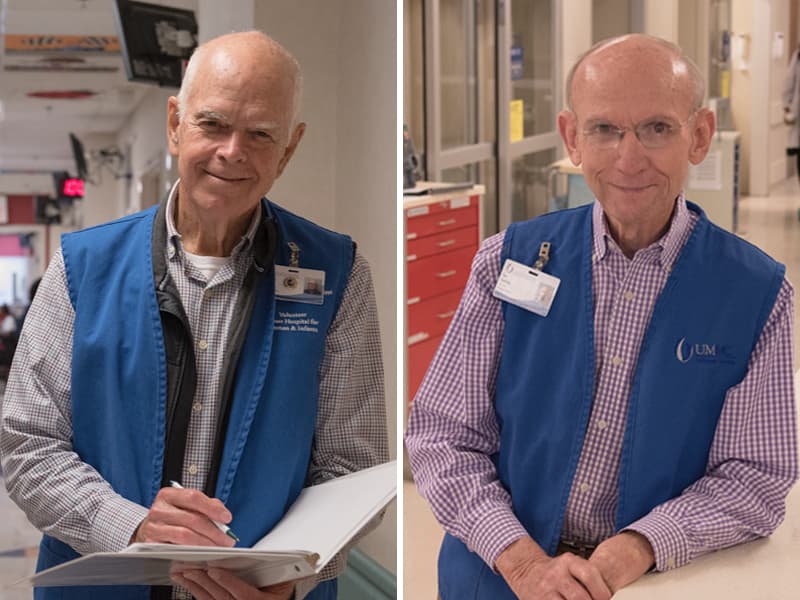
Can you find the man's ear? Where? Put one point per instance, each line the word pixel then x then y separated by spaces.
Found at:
pixel 568 128
pixel 297 135
pixel 173 120
pixel 705 124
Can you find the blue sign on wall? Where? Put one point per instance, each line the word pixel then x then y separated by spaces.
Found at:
pixel 516 63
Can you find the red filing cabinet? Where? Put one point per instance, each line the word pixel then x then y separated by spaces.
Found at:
pixel 442 232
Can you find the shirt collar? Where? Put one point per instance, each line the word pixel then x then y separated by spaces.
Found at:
pixel 174 236
pixel 667 247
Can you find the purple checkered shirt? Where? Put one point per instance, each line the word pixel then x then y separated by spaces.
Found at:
pixel 453 429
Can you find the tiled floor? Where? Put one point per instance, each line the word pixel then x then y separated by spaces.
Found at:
pixel 771 223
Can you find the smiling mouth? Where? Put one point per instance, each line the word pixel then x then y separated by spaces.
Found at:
pixel 630 188
pixel 224 178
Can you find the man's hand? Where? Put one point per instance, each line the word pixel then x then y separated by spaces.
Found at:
pixel 533 575
pixel 623 558
pixel 219 584
pixel 183 516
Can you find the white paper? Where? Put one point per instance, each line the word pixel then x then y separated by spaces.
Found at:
pixel 324 517
pixel 317 526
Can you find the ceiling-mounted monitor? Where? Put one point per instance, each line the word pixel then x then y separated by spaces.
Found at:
pixel 156 41
pixel 79 154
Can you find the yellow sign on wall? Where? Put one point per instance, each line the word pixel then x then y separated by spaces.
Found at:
pixel 725 83
pixel 517 124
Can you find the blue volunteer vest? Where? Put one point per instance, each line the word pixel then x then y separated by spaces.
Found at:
pixel 119 380
pixel 703 329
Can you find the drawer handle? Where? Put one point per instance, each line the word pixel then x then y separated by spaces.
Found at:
pixel 413 300
pixel 447 222
pixel 446 274
pixel 445 315
pixel 446 243
pixel 418 337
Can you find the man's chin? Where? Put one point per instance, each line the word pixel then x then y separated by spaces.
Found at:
pixel 219 202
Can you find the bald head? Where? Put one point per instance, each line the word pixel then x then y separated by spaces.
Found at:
pixel 253 52
pixel 638 53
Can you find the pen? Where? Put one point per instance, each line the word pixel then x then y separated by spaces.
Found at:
pixel 221 526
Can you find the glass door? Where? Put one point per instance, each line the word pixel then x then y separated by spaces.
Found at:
pixel 530 93
pixel 491 96
pixel 460 84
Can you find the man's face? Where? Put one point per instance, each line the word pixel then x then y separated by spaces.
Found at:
pixel 636 185
pixel 234 138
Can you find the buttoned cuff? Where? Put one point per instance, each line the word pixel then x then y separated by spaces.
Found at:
pixel 495 531
pixel 670 546
pixel 114 524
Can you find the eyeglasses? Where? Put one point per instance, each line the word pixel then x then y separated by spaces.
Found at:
pixel 654 134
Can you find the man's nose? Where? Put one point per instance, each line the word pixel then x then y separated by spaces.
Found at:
pixel 632 156
pixel 231 148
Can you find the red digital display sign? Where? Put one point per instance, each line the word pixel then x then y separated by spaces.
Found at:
pixel 73 188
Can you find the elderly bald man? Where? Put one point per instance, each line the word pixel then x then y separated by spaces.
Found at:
pixel 156 349
pixel 638 414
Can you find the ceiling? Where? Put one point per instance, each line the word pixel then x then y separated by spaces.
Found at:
pixel 34 131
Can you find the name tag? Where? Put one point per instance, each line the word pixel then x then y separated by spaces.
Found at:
pixel 299 285
pixel 526 287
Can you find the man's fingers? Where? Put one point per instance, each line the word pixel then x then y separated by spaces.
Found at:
pixel 220 584
pixel 590 578
pixel 174 533
pixel 242 590
pixel 202 586
pixel 173 518
pixel 237 588
pixel 196 501
pixel 572 590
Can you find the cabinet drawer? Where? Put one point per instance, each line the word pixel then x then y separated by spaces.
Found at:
pixel 442 242
pixel 438 274
pixel 419 357
pixel 430 318
pixel 437 222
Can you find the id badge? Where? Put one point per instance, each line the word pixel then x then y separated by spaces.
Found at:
pixel 526 287
pixel 299 285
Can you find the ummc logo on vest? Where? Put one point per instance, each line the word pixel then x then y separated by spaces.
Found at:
pixel 687 351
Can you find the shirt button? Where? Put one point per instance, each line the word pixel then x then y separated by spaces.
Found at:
pixel 628 295
pixel 202 344
pixel 197 407
pixel 616 361
pixel 584 487
pixel 601 424
pixel 671 562
pixel 171 251
pixel 193 470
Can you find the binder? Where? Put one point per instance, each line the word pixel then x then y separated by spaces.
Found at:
pixel 322 520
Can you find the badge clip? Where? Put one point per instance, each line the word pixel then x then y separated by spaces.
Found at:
pixel 294 258
pixel 544 256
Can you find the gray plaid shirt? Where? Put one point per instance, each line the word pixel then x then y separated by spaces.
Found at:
pixel 67 499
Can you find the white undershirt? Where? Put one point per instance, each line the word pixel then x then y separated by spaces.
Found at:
pixel 208 265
